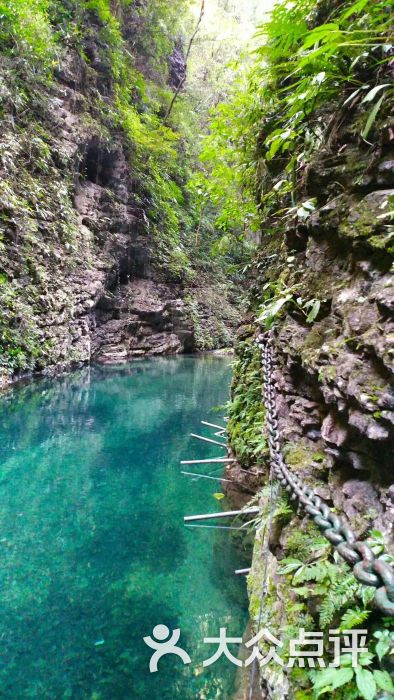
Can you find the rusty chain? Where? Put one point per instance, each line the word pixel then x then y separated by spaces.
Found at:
pixel 367 568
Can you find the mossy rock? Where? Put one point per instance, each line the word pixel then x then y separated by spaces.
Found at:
pixel 303 459
pixel 367 218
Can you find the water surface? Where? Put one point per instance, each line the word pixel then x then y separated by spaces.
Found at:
pixel 94 553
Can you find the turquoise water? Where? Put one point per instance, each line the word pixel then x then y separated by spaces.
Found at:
pixel 94 553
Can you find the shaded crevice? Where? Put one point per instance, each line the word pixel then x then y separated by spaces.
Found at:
pixel 98 164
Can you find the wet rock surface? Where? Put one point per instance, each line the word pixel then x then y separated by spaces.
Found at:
pixel 140 319
pixel 80 258
pixel 334 375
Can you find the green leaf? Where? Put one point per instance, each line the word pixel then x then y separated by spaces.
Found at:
pixel 371 118
pixel 366 683
pixel 325 689
pixel 377 535
pixel 343 676
pixel 274 307
pixel 365 659
pixel 303 591
pixel 345 660
pixel 383 680
pixel 288 565
pixel 351 96
pixel 353 617
pixel 314 311
pixel 332 677
pixel 372 93
pixel 218 496
pixel 382 647
pixel 355 9
pixel 319 34
pixel 367 594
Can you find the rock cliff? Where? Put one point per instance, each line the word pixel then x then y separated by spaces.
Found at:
pixel 334 374
pixel 85 274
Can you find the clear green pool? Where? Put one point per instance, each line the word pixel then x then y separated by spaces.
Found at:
pixel 94 553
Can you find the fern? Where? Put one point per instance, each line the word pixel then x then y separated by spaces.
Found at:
pixel 312 572
pixel 340 593
pixel 353 618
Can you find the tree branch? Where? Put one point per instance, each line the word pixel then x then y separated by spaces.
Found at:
pixel 189 48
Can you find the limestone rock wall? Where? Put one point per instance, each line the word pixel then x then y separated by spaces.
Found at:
pixel 81 275
pixel 334 375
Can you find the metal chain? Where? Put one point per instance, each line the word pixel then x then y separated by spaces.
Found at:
pixel 367 568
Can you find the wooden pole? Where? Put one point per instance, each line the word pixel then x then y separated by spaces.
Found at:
pixel 222 514
pixel 214 442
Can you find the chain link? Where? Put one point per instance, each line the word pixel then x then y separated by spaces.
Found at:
pixel 368 569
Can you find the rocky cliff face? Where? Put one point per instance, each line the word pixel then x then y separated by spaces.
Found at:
pixel 333 375
pixel 83 277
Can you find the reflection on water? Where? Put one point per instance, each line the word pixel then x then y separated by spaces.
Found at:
pixel 93 549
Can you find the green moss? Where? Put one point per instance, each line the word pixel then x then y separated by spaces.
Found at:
pixel 364 223
pixel 329 372
pixel 254 606
pixel 301 458
pixel 298 542
pixel 382 242
pixel 211 316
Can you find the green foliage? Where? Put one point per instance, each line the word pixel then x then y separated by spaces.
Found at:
pixel 278 298
pixel 359 682
pixel 26 31
pixel 335 587
pixel 20 341
pixel 340 594
pixel 385 643
pixel 227 183
pixel 127 97
pixel 342 603
pixel 354 618
pixel 160 22
pixel 246 412
pixel 263 139
pixel 308 70
pixel 280 513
